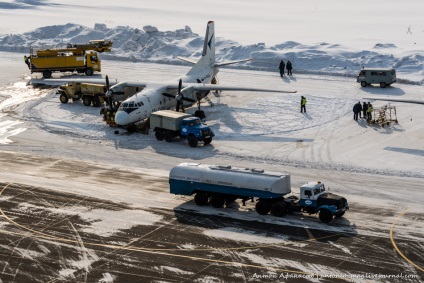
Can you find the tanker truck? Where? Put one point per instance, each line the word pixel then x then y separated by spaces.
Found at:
pixel 218 185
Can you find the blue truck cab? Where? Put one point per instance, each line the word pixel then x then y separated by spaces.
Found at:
pixel 193 126
pixel 315 199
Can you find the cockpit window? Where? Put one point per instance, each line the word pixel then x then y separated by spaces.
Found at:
pixel 129 106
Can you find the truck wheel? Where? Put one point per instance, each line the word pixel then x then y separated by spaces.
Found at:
pixel 217 200
pixel 86 100
pixel 159 135
pixel 95 101
pixel 230 199
pixel 47 74
pixel 168 136
pixel 63 98
pixel 201 198
pixel 279 209
pixel 340 214
pixel 263 207
pixel 192 141
pixel 325 216
pixel 207 141
pixel 89 72
pixel 382 85
pixel 363 84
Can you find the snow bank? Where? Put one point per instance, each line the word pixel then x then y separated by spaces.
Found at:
pixel 149 44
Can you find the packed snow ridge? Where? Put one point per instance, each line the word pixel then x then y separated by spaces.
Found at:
pixel 151 45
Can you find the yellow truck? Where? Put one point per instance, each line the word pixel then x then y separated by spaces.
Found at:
pixel 91 94
pixel 81 58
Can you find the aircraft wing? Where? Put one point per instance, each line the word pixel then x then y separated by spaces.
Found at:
pixel 216 64
pixel 62 81
pixel 187 60
pixel 102 81
pixel 231 62
pixel 397 100
pixel 233 88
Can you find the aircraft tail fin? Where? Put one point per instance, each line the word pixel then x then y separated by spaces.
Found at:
pixel 208 55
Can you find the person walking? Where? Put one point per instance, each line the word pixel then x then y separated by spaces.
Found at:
pixel 357 108
pixel 364 110
pixel 281 67
pixel 303 105
pixel 289 68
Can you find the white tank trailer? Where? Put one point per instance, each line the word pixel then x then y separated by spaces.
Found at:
pixel 218 185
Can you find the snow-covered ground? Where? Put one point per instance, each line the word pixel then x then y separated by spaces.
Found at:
pixel 328 43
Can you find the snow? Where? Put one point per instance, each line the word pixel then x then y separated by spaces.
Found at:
pixel 103 222
pixel 328 43
pixel 150 45
pixel 249 236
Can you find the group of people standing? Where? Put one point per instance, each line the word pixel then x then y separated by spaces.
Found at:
pixel 365 108
pixel 287 66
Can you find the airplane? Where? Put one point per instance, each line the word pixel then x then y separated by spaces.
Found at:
pixel 186 90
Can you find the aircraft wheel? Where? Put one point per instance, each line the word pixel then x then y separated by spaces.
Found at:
pixel 63 98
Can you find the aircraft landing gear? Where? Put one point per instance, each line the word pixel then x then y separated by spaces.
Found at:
pixel 199 113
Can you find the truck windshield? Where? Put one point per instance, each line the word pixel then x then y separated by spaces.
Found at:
pixel 194 123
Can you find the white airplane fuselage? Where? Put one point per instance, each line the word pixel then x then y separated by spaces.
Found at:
pixel 139 106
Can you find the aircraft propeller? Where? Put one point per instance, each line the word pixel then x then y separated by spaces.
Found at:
pixel 108 97
pixel 179 97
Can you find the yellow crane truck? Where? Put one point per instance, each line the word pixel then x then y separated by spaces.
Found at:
pixel 82 58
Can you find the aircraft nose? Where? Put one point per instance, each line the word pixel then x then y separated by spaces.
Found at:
pixel 122 118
